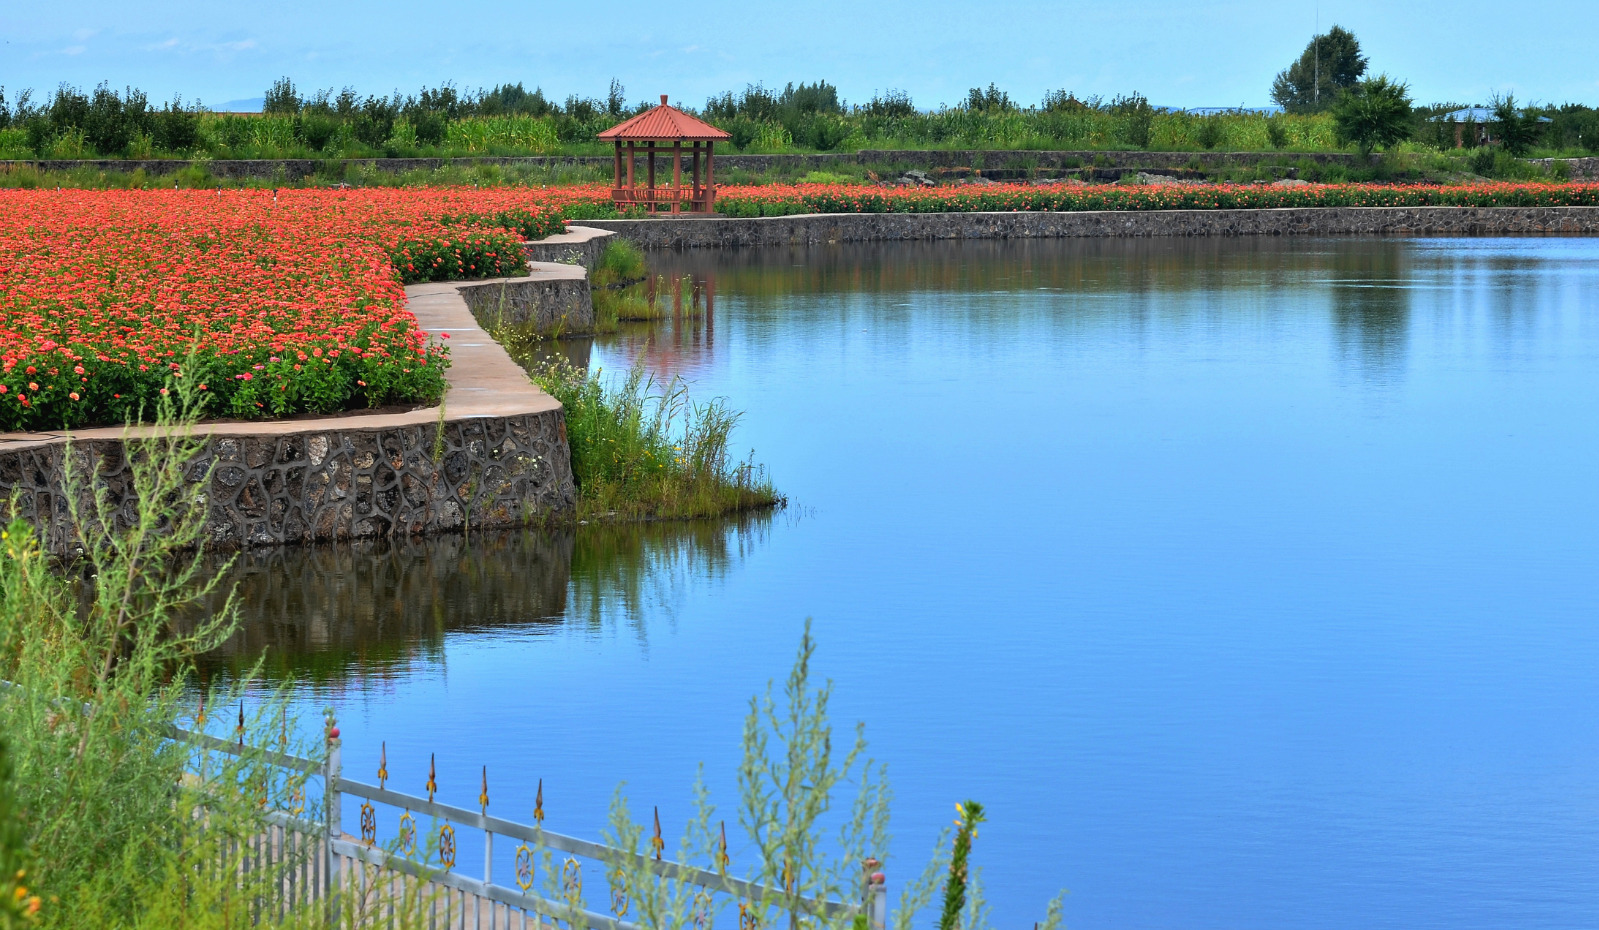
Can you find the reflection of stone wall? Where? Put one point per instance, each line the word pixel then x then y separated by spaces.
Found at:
pixel 815 229
pixel 330 481
pixel 564 305
pixel 368 606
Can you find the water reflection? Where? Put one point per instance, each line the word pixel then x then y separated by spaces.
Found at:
pixel 1371 294
pixel 372 609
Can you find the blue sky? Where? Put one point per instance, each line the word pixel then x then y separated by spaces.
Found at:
pixel 1180 54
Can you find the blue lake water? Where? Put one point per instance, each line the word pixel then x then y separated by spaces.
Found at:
pixel 1248 583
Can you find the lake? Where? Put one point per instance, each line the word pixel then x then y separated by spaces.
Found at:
pixel 1247 583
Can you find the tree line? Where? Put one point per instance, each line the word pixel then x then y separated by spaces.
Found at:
pixel 1330 79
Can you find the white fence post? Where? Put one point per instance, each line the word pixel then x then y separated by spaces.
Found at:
pixel 333 817
pixel 875 897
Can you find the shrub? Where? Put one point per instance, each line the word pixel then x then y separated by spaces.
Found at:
pixel 1517 130
pixel 1276 133
pixel 176 129
pixel 1138 119
pixel 1373 114
pixel 430 126
pixel 743 131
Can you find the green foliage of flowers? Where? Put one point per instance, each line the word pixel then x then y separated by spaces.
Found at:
pixel 472 255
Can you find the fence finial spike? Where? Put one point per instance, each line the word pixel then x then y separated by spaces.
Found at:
pixel 723 860
pixel 383 763
pixel 538 805
pixel 433 784
pixel 483 798
pixel 240 730
pixel 656 843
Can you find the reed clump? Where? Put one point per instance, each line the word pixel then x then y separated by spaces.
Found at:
pixel 643 449
pixel 621 263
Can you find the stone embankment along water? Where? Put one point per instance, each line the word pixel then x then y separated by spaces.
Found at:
pixel 555 297
pixel 494 455
pixel 814 229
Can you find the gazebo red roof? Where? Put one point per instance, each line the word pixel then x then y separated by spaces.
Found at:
pixel 663 123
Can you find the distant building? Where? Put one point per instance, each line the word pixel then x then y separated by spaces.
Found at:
pixel 1219 111
pixel 1479 121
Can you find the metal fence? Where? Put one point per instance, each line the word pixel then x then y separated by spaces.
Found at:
pixel 307 843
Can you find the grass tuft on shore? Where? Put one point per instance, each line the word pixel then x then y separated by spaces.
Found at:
pixel 643 450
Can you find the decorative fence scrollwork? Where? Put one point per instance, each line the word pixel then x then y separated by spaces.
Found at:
pixel 447 846
pixel 524 868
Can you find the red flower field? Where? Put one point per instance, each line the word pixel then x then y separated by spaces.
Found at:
pixel 787 199
pixel 272 305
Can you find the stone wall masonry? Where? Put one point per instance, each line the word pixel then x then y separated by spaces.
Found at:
pixel 555 299
pixel 1577 169
pixel 812 229
pixel 494 455
pixel 579 245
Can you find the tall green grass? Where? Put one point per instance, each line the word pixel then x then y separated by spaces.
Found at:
pixel 646 450
pixel 109 820
pixel 620 263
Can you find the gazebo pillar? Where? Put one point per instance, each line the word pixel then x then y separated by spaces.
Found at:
pixel 710 176
pixel 677 177
pixel 698 195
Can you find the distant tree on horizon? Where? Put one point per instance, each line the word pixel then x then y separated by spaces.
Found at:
pixel 1331 62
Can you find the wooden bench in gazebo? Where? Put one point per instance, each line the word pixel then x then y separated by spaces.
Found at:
pixel 658 131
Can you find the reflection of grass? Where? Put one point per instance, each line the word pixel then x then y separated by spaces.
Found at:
pixel 637 571
pixel 646 302
pixel 643 450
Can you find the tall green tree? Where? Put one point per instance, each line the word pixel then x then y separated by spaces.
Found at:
pixel 1330 63
pixel 1373 114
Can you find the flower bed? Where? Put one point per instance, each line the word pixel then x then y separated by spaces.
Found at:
pixel 270 305
pixel 790 199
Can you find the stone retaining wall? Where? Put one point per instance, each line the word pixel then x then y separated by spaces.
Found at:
pixel 813 229
pixel 563 305
pixel 1577 169
pixel 327 483
pixel 579 245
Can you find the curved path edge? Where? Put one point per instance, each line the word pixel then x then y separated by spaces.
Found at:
pixel 495 453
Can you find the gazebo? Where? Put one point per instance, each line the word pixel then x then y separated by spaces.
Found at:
pixel 657 131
